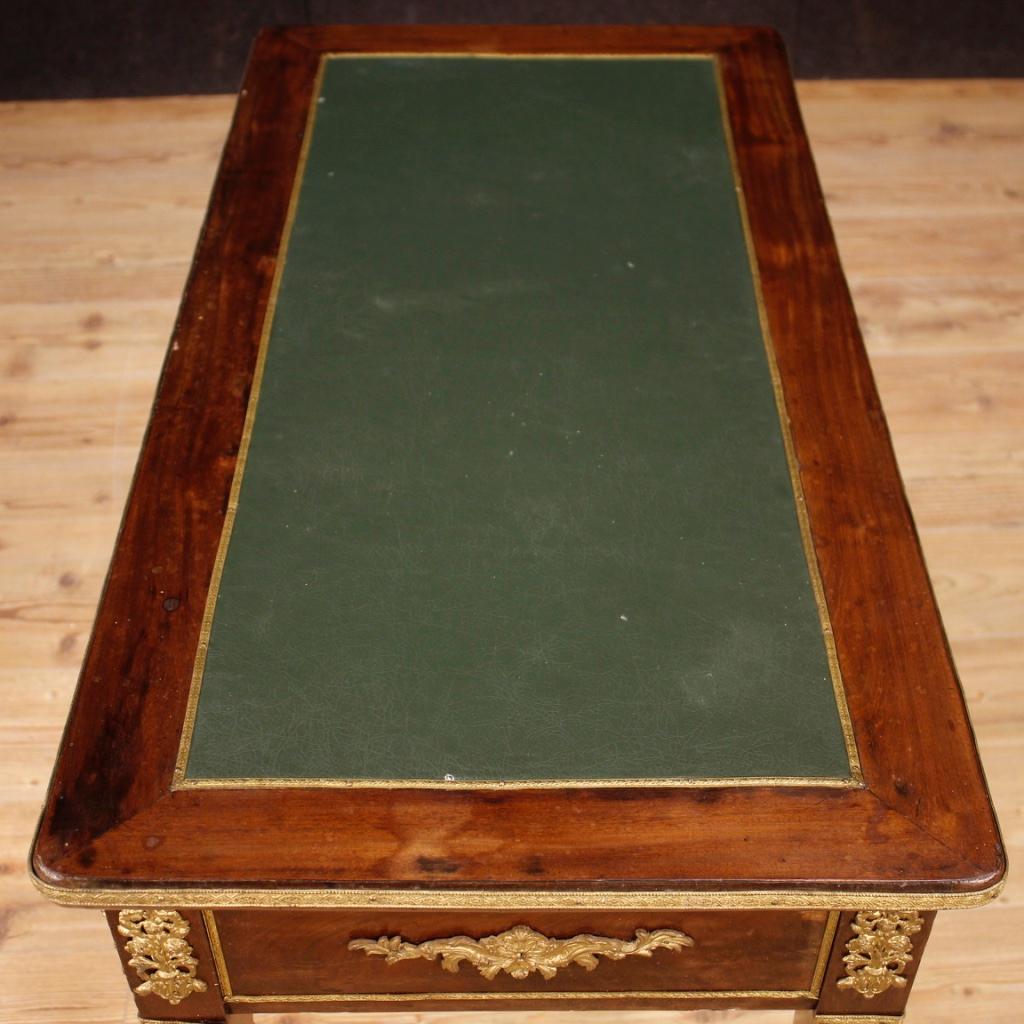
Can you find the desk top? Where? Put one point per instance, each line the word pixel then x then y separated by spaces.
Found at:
pixel 516 436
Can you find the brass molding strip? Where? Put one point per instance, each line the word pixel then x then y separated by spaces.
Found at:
pixel 220 965
pixel 824 952
pixel 429 997
pixel 683 782
pixel 513 55
pixel 856 1018
pixel 179 778
pixel 511 899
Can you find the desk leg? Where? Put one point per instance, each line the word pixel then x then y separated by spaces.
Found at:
pixel 167 959
pixel 875 956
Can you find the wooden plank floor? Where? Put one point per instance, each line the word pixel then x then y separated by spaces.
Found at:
pixel 100 204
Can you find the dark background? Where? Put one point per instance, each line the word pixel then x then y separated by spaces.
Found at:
pixel 80 48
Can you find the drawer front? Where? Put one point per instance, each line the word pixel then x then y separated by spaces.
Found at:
pixel 274 956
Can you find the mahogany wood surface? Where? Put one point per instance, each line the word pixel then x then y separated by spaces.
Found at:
pixel 296 952
pixel 922 823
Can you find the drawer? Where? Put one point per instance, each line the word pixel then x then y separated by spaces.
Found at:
pixel 273 956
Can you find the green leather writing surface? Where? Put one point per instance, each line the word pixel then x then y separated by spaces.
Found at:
pixel 516 504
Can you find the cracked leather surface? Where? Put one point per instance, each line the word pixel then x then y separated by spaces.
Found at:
pixel 516 504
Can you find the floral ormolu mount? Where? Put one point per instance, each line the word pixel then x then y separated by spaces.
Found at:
pixel 159 953
pixel 878 954
pixel 521 950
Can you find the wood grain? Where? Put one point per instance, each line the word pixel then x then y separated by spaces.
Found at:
pixel 138 173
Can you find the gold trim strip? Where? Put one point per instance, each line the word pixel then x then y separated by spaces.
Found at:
pixel 429 997
pixel 220 965
pixel 683 782
pixel 179 780
pixel 512 899
pixel 513 55
pixel 824 952
pixel 856 1018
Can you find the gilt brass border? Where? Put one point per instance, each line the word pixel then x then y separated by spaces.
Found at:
pixel 824 952
pixel 682 782
pixel 325 897
pixel 179 778
pixel 429 997
pixel 857 1018
pixel 812 992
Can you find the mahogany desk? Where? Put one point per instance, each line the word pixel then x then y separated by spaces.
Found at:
pixel 547 623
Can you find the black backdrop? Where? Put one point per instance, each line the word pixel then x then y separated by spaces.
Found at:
pixel 78 48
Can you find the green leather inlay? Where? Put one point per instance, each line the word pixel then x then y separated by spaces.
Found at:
pixel 516 504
